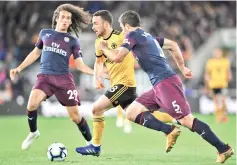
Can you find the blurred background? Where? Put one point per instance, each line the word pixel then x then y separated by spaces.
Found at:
pixel 198 27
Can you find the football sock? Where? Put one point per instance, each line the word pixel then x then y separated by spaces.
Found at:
pixel 85 130
pixel 164 117
pixel 205 131
pixel 119 111
pixel 224 111
pixel 217 112
pixel 32 120
pixel 146 119
pixel 98 129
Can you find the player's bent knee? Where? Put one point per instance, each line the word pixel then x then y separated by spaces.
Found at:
pixel 187 121
pixel 36 97
pixel 32 106
pixel 131 114
pixel 96 110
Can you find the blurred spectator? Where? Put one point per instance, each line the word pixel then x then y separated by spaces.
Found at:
pixel 5 85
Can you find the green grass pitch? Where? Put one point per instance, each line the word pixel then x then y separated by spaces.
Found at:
pixel 141 147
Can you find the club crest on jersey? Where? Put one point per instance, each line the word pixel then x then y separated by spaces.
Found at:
pixel 113 45
pixel 66 39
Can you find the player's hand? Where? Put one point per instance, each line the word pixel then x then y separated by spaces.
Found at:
pixel 105 76
pixel 102 45
pixel 98 84
pixel 13 73
pixel 187 73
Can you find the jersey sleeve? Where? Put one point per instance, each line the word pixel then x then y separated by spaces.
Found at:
pixel 129 41
pixel 98 53
pixel 160 41
pixel 76 52
pixel 39 43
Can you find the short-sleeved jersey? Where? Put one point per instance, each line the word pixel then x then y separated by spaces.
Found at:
pixel 57 47
pixel 218 71
pixel 147 50
pixel 119 73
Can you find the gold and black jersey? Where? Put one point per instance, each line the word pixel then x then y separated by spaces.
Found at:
pixel 119 73
pixel 218 71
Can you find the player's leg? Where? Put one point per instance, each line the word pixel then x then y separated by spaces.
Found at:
pixel 138 113
pixel 224 108
pixel 35 99
pixel 180 109
pixel 80 121
pixel 127 126
pixel 164 117
pixel 204 130
pixel 221 104
pixel 66 93
pixel 217 106
pixel 119 120
pixel 40 92
pixel 98 110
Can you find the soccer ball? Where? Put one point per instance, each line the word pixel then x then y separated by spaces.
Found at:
pixel 57 152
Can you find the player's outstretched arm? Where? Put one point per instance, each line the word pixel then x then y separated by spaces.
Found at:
pixel 83 67
pixel 177 56
pixel 116 55
pixel 32 57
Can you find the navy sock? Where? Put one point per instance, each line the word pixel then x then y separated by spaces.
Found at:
pixel 146 119
pixel 32 120
pixel 205 131
pixel 85 130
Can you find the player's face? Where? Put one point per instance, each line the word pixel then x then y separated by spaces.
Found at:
pixel 218 53
pixel 98 25
pixel 64 20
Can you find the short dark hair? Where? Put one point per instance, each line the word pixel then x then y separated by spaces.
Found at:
pixel 80 18
pixel 105 15
pixel 131 18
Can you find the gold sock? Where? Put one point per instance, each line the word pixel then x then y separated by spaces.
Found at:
pixel 164 117
pixel 119 112
pixel 224 112
pixel 98 129
pixel 218 114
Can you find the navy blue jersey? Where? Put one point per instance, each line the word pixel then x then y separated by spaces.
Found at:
pixel 147 50
pixel 57 47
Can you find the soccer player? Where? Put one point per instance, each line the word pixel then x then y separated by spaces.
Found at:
pixel 167 89
pixel 122 81
pixel 55 46
pixel 217 76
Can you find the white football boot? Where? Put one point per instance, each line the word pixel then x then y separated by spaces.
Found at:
pixel 30 139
